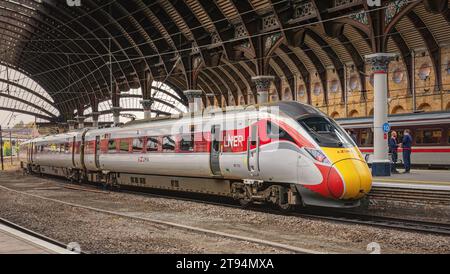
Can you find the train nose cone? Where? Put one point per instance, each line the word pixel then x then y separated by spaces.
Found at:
pixel 349 179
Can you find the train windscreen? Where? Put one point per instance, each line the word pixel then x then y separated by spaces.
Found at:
pixel 326 132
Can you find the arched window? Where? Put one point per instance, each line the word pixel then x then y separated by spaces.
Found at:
pixel 398 110
pixel 287 95
pixel 354 113
pixel 167 102
pixel 22 99
pixel 335 115
pixel 424 107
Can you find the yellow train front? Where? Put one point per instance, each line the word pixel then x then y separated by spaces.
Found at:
pixel 331 170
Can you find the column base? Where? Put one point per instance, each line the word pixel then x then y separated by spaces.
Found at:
pixel 381 169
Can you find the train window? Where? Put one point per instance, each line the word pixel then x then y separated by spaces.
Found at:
pixel 111 146
pixel 152 144
pixel 89 147
pixel 428 136
pixel 66 148
pixel 326 132
pixel 448 134
pixel 124 145
pixel 275 132
pixel 187 142
pixel 138 144
pixel 366 137
pixel 168 143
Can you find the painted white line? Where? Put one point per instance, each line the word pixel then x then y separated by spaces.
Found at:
pixel 410 186
pixel 34 241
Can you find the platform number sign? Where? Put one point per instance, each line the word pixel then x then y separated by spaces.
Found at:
pixel 386 128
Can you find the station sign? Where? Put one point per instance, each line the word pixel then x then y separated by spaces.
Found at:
pixel 386 127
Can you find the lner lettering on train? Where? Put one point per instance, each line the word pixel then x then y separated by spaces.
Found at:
pixel 234 141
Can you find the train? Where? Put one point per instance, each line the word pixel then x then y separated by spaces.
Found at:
pixel 430 132
pixel 287 154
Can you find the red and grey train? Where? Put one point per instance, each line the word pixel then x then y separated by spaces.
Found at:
pixel 430 132
pixel 285 153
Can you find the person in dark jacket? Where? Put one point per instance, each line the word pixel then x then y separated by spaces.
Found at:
pixel 406 146
pixel 393 150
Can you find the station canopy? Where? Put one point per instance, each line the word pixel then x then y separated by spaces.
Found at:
pixel 61 58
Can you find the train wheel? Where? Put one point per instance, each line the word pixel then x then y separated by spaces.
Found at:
pixel 285 207
pixel 245 203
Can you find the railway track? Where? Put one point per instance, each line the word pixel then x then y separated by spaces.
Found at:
pixel 337 216
pixel 272 244
pixel 37 235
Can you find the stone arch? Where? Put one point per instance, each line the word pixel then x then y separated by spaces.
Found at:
pixel 371 112
pixel 448 106
pixel 335 115
pixel 398 110
pixel 424 107
pixel 354 113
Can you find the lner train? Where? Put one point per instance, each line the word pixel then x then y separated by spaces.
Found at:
pixel 430 132
pixel 284 153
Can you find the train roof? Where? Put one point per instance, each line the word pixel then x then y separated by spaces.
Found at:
pixel 291 108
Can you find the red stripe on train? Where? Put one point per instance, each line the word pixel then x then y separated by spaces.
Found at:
pixel 416 150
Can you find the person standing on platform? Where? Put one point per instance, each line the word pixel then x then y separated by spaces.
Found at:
pixel 406 146
pixel 393 150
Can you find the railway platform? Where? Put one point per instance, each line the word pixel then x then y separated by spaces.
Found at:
pixel 13 241
pixel 417 179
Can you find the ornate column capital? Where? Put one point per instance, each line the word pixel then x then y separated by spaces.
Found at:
pixel 80 119
pixel 380 61
pixel 116 111
pixel 193 94
pixel 147 104
pixel 263 82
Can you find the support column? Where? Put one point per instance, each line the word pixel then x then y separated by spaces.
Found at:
pixel 262 87
pixel 380 64
pixel 95 116
pixel 80 120
pixel 195 99
pixel 116 115
pixel 71 124
pixel 147 106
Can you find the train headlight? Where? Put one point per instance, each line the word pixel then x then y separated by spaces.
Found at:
pixel 318 155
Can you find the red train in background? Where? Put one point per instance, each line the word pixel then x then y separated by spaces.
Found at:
pixel 430 132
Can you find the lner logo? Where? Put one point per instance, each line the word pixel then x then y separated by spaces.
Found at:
pixel 73 3
pixel 374 3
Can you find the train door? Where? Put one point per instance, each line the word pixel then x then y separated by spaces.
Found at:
pixel 253 149
pixel 97 152
pixel 215 150
pixel 73 151
pixel 82 147
pixel 30 153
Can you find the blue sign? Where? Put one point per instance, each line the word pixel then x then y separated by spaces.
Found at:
pixel 386 127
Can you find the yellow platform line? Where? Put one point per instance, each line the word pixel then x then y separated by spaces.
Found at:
pixel 412 182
